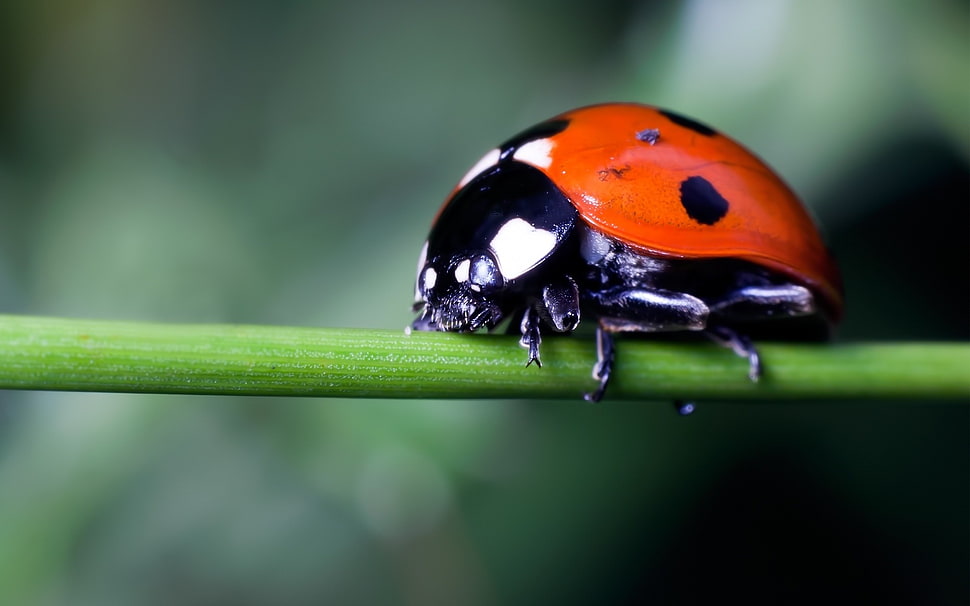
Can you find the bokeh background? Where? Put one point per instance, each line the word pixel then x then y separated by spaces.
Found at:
pixel 280 162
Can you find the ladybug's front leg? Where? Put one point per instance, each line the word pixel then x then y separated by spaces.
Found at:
pixel 531 337
pixel 557 305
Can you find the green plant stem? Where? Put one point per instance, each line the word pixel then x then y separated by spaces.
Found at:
pixel 88 355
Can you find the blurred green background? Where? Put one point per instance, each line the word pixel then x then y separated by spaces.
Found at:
pixel 280 162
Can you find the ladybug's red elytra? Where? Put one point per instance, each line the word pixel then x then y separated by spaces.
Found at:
pixel 635 217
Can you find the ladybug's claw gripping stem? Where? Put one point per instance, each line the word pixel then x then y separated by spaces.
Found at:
pixel 605 355
pixel 740 345
pixel 531 337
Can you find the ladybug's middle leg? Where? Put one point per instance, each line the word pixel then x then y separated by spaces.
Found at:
pixel 605 354
pixel 622 309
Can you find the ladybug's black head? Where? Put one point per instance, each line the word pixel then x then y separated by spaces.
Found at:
pixel 459 293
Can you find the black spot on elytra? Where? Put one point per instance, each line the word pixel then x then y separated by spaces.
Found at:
pixel 702 202
pixel 686 122
pixel 543 130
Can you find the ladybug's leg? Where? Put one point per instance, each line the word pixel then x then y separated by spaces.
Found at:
pixel 531 337
pixel 752 303
pixel 558 305
pixel 605 354
pixel 741 345
pixel 624 309
pixel 759 302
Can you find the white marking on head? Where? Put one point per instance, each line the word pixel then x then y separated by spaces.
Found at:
pixel 430 278
pixel 538 153
pixel 518 247
pixel 462 270
pixel 487 161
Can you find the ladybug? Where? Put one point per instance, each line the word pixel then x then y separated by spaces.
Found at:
pixel 633 217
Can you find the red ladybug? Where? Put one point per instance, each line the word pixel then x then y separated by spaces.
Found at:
pixel 634 217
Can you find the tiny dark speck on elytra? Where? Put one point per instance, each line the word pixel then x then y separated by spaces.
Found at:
pixel 649 135
pixel 612 172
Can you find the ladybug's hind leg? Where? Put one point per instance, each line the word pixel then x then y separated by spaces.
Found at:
pixel 739 344
pixel 761 302
pixel 752 304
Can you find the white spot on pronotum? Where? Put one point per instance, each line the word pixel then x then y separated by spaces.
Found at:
pixel 518 247
pixel 538 153
pixel 462 270
pixel 488 161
